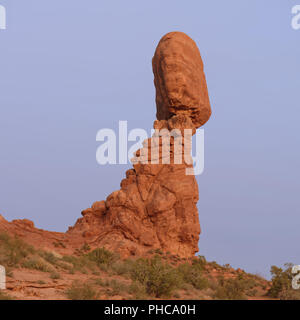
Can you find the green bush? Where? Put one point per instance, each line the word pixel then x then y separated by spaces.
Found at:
pixel 230 289
pixel 159 278
pixel 37 263
pixel 49 257
pixel 79 291
pixel 138 291
pixel 79 263
pixel 282 283
pixel 101 256
pixel 192 274
pixel 118 287
pixel 122 267
pixel 140 270
pixel 13 251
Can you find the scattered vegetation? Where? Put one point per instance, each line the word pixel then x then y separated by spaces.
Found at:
pixel 161 275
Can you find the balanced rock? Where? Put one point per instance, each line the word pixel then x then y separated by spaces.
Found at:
pixel 179 79
pixel 156 207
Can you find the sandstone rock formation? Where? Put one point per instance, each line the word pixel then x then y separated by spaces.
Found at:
pixel 179 79
pixel 155 207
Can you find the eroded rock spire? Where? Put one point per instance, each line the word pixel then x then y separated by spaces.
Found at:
pixel 156 205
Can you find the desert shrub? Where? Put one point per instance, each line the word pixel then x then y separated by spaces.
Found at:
pixel 282 283
pixel 64 265
pixel 201 261
pixel 13 251
pixel 101 256
pixel 54 275
pixel 249 286
pixel 215 265
pixel 192 274
pixel 187 287
pixel 71 260
pixel 4 237
pixel 123 267
pixel 37 263
pixel 59 244
pixel 138 291
pixel 79 263
pixel 117 287
pixel 230 289
pixel 99 282
pixel 158 251
pixel 49 257
pixel 140 270
pixel 252 292
pixel 85 248
pixel 79 291
pixel 176 295
pixel 159 278
pixel 162 281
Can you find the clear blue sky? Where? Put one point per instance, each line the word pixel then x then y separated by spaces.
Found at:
pixel 69 68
